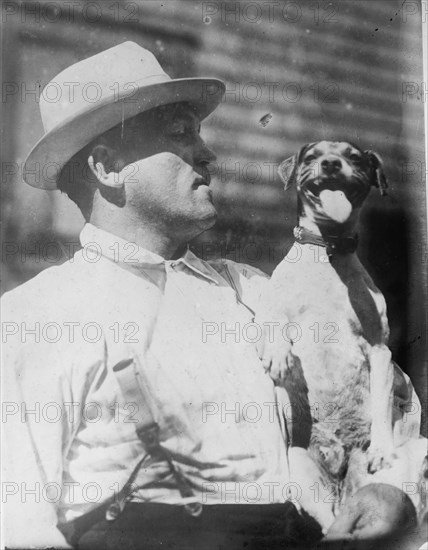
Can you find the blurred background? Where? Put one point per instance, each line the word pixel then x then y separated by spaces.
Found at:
pixel 295 72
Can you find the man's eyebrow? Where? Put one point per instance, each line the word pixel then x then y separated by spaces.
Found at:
pixel 189 122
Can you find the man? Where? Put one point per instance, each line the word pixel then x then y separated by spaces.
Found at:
pixel 126 407
pixel 137 168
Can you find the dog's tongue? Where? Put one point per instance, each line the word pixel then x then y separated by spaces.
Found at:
pixel 335 205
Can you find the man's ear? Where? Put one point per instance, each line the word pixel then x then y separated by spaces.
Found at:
pixel 378 178
pixel 287 171
pixel 102 165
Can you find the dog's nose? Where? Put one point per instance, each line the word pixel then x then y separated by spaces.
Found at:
pixel 331 165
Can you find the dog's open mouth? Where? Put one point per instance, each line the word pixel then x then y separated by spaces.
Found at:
pixel 330 184
pixel 335 204
pixel 334 197
pixel 355 190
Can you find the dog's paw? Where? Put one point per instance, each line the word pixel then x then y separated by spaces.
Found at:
pixel 379 458
pixel 276 358
pixel 306 475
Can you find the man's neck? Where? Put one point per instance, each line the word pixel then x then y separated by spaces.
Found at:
pixel 143 235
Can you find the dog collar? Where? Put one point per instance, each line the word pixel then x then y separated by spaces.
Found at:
pixel 333 244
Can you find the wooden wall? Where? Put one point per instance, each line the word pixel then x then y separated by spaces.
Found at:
pixel 323 70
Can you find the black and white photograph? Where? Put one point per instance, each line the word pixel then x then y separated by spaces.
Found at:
pixel 214 275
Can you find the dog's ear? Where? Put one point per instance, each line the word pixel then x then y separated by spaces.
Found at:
pixel 287 171
pixel 378 178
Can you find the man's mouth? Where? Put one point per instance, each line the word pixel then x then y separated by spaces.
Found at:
pixel 202 181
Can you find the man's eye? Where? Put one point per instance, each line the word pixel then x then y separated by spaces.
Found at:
pixel 178 134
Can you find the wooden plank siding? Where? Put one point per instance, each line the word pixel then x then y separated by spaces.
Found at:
pixel 349 70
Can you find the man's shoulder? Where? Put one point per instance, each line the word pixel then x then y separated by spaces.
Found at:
pixel 54 286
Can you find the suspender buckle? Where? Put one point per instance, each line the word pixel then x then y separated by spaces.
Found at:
pixel 194 509
pixel 114 511
pixel 149 435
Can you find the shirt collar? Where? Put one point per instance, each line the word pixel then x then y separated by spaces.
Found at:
pixel 122 251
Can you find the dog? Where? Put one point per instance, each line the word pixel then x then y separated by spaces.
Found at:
pixel 331 354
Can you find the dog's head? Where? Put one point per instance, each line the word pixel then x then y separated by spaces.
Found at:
pixel 333 178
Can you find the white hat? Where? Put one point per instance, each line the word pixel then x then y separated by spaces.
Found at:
pixel 97 93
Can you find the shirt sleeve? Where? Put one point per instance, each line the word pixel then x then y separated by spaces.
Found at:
pixel 40 417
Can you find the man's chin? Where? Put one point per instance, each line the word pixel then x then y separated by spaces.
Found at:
pixel 202 220
pixel 208 220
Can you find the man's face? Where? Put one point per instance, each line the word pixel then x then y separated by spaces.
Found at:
pixel 165 161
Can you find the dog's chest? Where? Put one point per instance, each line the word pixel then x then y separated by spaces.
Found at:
pixel 340 293
pixel 336 314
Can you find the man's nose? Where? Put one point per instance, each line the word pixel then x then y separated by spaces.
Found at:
pixel 331 165
pixel 204 154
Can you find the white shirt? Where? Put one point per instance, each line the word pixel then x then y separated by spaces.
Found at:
pixel 189 324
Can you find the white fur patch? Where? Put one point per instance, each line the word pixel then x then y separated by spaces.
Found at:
pixel 335 205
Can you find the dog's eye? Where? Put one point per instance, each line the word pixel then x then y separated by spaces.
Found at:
pixel 310 158
pixel 355 158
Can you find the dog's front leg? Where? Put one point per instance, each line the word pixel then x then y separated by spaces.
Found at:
pixel 274 348
pixel 381 450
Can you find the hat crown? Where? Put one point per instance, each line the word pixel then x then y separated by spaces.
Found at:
pixel 113 74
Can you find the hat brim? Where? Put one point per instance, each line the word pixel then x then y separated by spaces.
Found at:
pixel 50 154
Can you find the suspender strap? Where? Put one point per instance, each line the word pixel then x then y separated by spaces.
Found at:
pixel 129 379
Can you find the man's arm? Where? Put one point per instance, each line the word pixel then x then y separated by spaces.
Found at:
pixel 32 461
pixel 39 420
